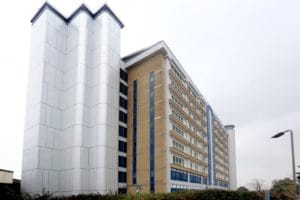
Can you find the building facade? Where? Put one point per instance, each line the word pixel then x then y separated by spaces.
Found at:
pixel 175 140
pixel 96 122
pixel 6 176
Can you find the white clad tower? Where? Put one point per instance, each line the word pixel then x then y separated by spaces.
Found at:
pixel 71 129
pixel 232 157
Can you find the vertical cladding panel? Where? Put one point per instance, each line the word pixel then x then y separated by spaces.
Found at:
pixel 73 81
pixel 74 78
pixel 53 90
pixel 141 73
pixel 105 105
pixel 210 140
pixel 231 157
pixel 43 103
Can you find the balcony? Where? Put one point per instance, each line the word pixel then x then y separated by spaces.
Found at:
pixel 174 77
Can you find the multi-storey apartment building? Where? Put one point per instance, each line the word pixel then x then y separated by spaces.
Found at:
pixel 100 123
pixel 175 140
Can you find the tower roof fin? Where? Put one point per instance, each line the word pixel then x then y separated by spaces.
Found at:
pixel 82 7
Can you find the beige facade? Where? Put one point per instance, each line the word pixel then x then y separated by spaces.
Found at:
pixel 140 73
pixel 221 152
pixel 6 176
pixel 191 144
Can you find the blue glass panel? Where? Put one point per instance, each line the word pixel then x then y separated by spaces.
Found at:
pixel 122 146
pixel 152 162
pixel 122 131
pixel 179 175
pixel 122 161
pixel 122 190
pixel 122 177
pixel 123 75
pixel 210 141
pixel 134 124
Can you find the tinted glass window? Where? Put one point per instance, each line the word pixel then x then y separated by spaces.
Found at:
pixel 123 102
pixel 122 161
pixel 122 117
pixel 134 133
pixel 122 177
pixel 123 89
pixel 122 132
pixel 123 75
pixel 122 146
pixel 122 190
pixel 152 163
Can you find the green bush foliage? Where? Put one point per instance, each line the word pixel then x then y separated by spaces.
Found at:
pixel 182 195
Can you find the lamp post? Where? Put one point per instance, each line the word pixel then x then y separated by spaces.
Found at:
pixel 293 154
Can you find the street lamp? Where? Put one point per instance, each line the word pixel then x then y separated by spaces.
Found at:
pixel 293 154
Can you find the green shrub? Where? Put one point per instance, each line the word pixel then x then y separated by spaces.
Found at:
pixel 182 195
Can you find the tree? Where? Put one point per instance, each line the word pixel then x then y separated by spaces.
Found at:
pixel 257 184
pixel 242 189
pixel 284 187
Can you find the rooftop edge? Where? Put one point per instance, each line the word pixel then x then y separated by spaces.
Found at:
pixel 229 126
pixel 5 170
pixel 82 7
pixel 136 57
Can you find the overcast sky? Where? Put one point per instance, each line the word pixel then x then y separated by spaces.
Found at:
pixel 244 56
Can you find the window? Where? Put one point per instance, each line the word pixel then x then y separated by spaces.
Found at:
pixel 123 89
pixel 195 154
pixel 122 190
pixel 152 163
pixel 122 146
pixel 122 177
pixel 176 189
pixel 195 129
pixel 178 130
pixel 177 102
pixel 196 166
pixel 122 161
pixel 179 161
pixel 178 145
pixel 179 175
pixel 122 131
pixel 122 117
pixel 123 75
pixel 177 116
pixel 176 88
pixel 196 142
pixel 178 74
pixel 134 126
pixel 195 179
pixel 123 102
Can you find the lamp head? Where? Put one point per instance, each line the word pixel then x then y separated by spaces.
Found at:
pixel 278 135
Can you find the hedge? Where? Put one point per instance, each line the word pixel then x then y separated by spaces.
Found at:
pixel 182 195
